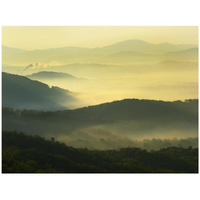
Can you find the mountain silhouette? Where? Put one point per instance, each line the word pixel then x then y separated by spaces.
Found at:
pixel 188 54
pixel 69 55
pixel 50 75
pixel 109 124
pixel 20 92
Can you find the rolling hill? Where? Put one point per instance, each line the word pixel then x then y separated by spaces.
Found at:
pixel 111 124
pixel 51 75
pixel 20 92
pixel 23 153
pixel 68 55
pixel 188 54
pixel 144 47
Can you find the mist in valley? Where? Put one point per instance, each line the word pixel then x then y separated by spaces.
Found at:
pixel 111 125
pixel 94 84
pixel 66 86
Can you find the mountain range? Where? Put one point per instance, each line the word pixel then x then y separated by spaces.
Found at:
pixel 68 55
pixel 111 124
pixel 116 74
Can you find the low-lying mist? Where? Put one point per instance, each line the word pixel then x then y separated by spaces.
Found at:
pixel 94 138
pixel 121 74
pixel 110 125
pixel 128 69
pixel 94 83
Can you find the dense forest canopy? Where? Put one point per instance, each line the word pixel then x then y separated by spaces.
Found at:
pixel 109 125
pixel 33 154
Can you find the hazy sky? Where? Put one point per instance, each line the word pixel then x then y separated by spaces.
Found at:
pixel 41 37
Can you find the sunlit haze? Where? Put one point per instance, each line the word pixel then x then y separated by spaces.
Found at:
pixel 101 88
pixel 40 37
pixel 131 62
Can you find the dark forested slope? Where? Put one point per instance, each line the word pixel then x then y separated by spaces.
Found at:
pixel 109 125
pixel 157 113
pixel 32 154
pixel 22 93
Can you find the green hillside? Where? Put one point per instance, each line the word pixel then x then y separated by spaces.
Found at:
pixel 20 92
pixel 32 154
pixel 109 125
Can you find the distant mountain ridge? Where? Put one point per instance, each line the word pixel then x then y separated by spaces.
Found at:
pixel 129 53
pixel 68 55
pixel 125 42
pixel 51 75
pixel 184 51
pixel 188 54
pixel 145 47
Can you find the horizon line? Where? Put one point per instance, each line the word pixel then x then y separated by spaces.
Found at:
pixel 99 47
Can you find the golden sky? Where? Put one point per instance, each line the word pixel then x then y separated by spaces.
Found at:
pixel 43 37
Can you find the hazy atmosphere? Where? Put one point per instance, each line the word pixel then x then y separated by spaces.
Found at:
pixel 45 37
pixel 102 88
pixel 107 63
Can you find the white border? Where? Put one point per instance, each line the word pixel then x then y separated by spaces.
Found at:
pixel 104 12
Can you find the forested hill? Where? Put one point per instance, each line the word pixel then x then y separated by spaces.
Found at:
pixel 143 109
pixel 126 109
pixel 32 154
pixel 20 92
pixel 101 126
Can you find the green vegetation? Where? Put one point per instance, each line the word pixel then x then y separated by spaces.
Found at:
pixel 20 92
pixel 33 154
pixel 128 135
pixel 110 125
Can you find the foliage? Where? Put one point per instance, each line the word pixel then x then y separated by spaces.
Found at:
pixel 129 116
pixel 20 92
pixel 23 153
